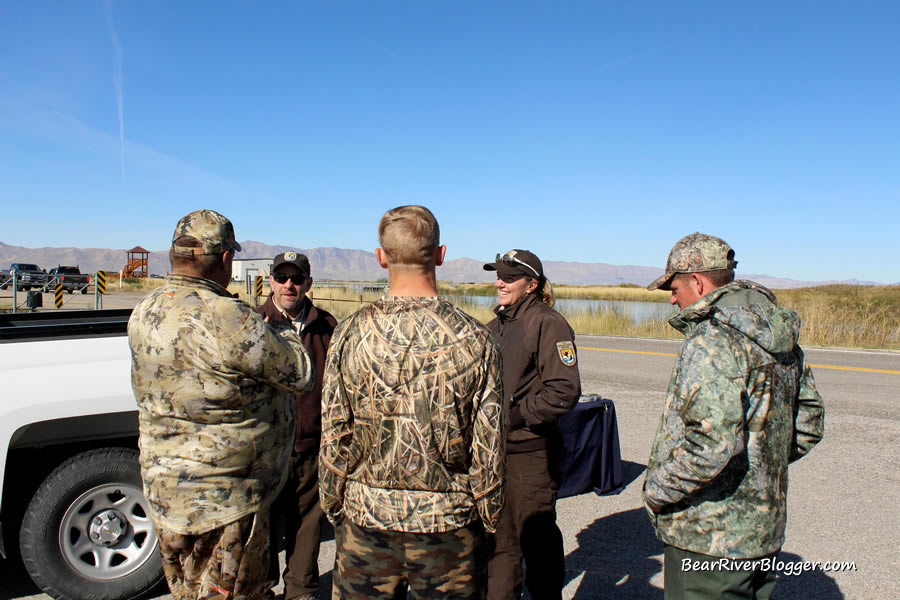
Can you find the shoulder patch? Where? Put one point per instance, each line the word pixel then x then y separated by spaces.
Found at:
pixel 566 353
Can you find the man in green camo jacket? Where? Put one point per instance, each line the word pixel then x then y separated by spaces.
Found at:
pixel 741 405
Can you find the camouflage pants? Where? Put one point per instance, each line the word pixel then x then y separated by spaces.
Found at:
pixel 372 563
pixel 228 563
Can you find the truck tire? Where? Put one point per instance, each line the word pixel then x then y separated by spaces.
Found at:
pixel 87 534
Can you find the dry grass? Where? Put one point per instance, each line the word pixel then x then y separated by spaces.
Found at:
pixel 625 293
pixel 603 321
pixel 132 284
pixel 449 288
pixel 848 316
pixel 608 321
pixel 342 302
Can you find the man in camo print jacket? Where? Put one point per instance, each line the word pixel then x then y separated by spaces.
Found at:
pixel 215 390
pixel 412 453
pixel 741 405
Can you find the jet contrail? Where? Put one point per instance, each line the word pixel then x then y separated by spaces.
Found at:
pixel 118 85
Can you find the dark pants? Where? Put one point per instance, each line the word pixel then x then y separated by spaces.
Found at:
pixel 373 564
pixel 689 575
pixel 527 529
pixel 299 509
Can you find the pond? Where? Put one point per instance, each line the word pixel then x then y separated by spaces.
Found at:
pixel 637 311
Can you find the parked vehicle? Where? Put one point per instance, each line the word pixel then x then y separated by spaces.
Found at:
pixel 71 498
pixel 5 279
pixel 71 278
pixel 28 276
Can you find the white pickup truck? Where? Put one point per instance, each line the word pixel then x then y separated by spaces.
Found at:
pixel 70 487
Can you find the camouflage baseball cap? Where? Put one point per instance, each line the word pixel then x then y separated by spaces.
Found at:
pixel 695 253
pixel 213 231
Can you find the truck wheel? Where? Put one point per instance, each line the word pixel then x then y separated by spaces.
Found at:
pixel 87 534
pixel 84 290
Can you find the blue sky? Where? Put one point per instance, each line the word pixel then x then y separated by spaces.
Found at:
pixel 585 131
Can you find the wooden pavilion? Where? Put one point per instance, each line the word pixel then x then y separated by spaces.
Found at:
pixel 138 263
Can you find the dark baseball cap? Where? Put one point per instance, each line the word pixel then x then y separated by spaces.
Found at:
pixel 517 262
pixel 292 258
pixel 213 231
pixel 695 253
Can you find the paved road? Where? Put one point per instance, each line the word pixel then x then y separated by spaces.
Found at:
pixel 840 504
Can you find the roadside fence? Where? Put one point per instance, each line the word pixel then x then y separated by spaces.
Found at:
pixel 33 289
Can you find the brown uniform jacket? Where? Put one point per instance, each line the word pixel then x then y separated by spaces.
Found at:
pixel 316 335
pixel 540 370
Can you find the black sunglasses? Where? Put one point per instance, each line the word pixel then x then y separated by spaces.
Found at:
pixel 512 260
pixel 282 278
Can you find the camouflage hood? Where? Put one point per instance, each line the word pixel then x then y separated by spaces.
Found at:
pixel 748 308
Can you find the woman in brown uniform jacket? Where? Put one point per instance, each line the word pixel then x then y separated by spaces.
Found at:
pixel 541 383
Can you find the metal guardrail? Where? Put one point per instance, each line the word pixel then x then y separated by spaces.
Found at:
pixel 48 286
pixel 367 286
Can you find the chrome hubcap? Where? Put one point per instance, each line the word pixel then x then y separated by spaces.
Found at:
pixel 108 527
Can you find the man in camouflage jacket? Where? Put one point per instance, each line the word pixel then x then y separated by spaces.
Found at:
pixel 412 454
pixel 741 405
pixel 215 391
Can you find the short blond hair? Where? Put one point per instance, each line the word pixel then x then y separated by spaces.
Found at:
pixel 409 235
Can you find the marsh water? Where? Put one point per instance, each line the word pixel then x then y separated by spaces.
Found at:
pixel 637 311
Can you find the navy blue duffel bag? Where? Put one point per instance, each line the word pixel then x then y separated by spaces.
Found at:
pixel 590 460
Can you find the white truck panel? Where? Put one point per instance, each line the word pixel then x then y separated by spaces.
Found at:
pixel 56 379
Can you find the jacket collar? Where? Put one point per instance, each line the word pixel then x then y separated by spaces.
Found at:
pixel 309 311
pixel 511 313
pixel 705 307
pixel 197 282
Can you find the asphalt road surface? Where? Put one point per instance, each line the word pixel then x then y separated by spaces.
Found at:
pixel 840 505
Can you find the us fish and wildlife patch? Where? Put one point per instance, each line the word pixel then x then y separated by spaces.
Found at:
pixel 566 353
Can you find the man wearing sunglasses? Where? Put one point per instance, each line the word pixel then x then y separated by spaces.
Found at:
pixel 298 503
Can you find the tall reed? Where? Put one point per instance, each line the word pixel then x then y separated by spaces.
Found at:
pixel 849 316
pixel 625 293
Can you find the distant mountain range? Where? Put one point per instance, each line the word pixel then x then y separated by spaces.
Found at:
pixel 343 264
